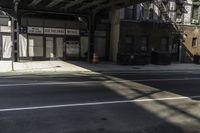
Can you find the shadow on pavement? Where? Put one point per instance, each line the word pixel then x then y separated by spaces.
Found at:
pixel 159 116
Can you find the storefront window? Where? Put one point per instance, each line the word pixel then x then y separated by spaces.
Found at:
pixel 36 46
pixel 49 47
pixel 6 46
pixel 22 46
pixel 59 47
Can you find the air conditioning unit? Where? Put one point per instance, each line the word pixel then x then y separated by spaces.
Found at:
pixel 178 20
pixel 195 21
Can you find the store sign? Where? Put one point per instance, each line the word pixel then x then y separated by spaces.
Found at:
pixel 23 30
pixel 5 29
pixel 54 31
pixel 72 32
pixel 35 30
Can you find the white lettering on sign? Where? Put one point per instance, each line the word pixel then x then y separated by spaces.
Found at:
pixel 54 31
pixel 35 30
pixel 72 32
pixel 5 29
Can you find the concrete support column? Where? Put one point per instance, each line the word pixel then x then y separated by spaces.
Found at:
pixel 91 37
pixel 114 34
pixel 15 39
pixel 15 31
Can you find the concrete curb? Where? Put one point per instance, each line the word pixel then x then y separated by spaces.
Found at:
pixel 40 73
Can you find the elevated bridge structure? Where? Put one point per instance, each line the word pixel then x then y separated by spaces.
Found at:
pixel 86 9
pixel 16 9
pixel 76 7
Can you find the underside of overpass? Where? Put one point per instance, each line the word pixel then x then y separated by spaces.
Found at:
pixel 86 9
pixel 79 7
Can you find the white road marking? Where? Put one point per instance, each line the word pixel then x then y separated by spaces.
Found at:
pixel 93 82
pixel 172 79
pixel 39 84
pixel 95 103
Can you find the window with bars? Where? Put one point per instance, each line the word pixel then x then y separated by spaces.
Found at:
pixel 195 12
pixel 194 42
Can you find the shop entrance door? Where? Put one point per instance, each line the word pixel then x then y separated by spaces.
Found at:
pixel 49 47
pixel 6 47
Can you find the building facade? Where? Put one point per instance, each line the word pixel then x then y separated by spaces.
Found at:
pixel 51 37
pixel 161 25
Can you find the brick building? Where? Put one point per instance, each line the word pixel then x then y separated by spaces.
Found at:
pixel 171 26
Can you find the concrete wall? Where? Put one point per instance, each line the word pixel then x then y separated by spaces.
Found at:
pixel 157 31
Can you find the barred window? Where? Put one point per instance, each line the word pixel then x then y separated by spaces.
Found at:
pixel 195 12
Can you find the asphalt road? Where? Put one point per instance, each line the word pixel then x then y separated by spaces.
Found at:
pixel 101 103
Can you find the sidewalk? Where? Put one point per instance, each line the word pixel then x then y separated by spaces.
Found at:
pixel 80 66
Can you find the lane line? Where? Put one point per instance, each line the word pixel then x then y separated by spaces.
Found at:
pixel 47 83
pixel 93 82
pixel 168 79
pixel 96 103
